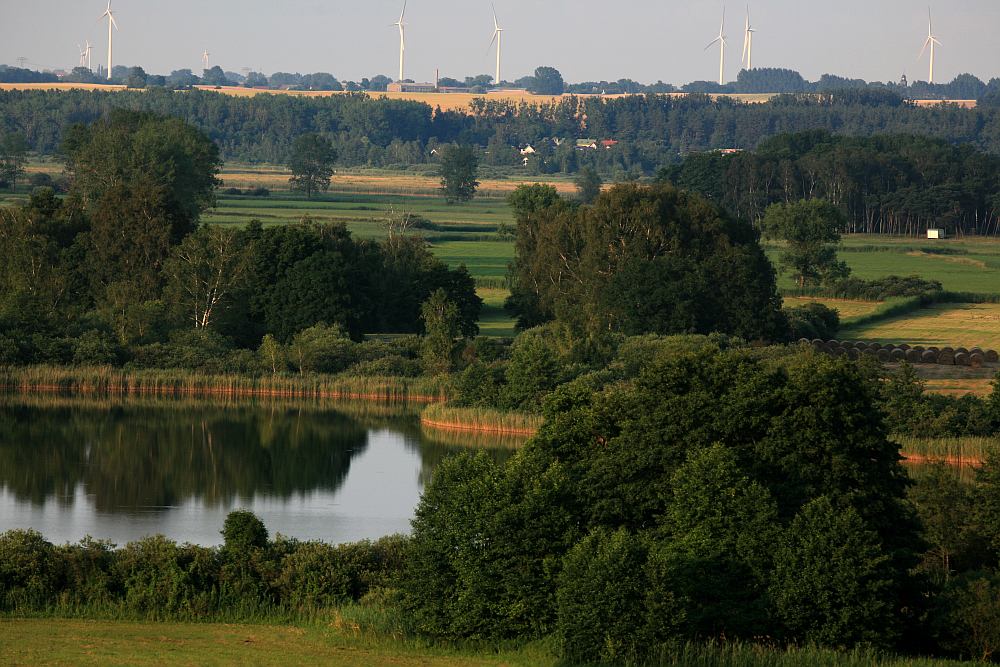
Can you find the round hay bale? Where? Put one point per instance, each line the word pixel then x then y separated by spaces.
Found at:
pixel 898 354
pixel 904 347
pixel 947 350
pixel 883 355
pixel 928 357
pixel 912 356
pixel 946 358
pixel 853 353
pixel 935 350
pixel 804 341
pixel 861 345
pixel 833 343
pixel 838 351
pixel 976 350
pixel 977 359
pixel 868 352
pixel 962 359
pixel 874 347
pixel 961 350
pixel 817 343
pixel 919 348
pixel 992 357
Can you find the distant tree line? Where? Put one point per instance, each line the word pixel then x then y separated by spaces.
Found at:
pixel 643 132
pixel 882 184
pixel 120 269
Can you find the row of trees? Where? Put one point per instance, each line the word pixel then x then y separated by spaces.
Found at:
pixel 123 257
pixel 651 130
pixel 887 184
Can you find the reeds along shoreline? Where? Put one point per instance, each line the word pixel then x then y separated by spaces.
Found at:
pixel 953 451
pixel 480 420
pixel 167 383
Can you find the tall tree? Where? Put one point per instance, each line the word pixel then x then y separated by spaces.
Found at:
pixel 441 324
pixel 547 81
pixel 811 230
pixel 311 163
pixel 13 157
pixel 459 168
pixel 204 272
pixel 588 185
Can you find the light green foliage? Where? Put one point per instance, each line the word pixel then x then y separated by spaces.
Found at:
pixel 272 355
pixel 811 228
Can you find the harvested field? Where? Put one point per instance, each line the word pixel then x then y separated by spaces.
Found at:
pixel 947 324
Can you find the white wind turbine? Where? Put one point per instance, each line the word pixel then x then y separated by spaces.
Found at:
pixel 111 23
pixel 498 38
pixel 931 41
pixel 83 55
pixel 748 42
pixel 88 50
pixel 721 41
pixel 402 39
pixel 206 59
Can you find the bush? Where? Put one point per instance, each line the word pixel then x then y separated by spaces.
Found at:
pixel 390 366
pixel 600 598
pixel 321 349
pixel 97 348
pixel 29 572
pixel 242 532
pixel 313 576
pixel 160 578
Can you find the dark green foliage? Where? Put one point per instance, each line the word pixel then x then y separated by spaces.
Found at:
pixel 810 230
pixel 459 168
pixel 547 81
pixel 243 531
pixel 678 264
pixel 441 328
pixel 28 572
pixel 97 348
pixel 970 623
pixel 601 590
pixel 812 320
pixel 321 349
pixel 311 164
pixel 833 583
pixel 588 185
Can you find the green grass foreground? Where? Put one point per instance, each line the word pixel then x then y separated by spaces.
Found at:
pixel 339 642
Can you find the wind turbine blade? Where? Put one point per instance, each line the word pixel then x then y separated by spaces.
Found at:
pixel 402 14
pixel 114 22
pixel 935 40
pixel 494 40
pixel 496 22
pixel 924 50
pixel 746 43
pixel 712 43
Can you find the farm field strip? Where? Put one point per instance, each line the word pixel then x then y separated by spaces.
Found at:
pixel 946 324
pixel 847 308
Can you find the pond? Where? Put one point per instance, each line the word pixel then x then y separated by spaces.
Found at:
pixel 122 469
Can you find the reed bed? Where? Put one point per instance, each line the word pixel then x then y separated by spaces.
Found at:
pixel 442 417
pixel 472 439
pixel 172 383
pixel 957 451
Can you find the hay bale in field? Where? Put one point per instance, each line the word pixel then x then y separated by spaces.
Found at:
pixel 804 341
pixel 904 347
pixel 992 356
pixel 935 350
pixel 874 347
pixel 948 350
pixel 853 353
pixel 883 355
pixel 977 359
pixel 861 345
pixel 833 343
pixel 929 357
pixel 962 359
pixel 898 354
pixel 919 348
pixel 913 356
pixel 976 350
pixel 838 351
pixel 868 352
pixel 961 350
pixel 946 358
pixel 817 343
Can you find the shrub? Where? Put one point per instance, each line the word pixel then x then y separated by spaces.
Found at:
pixel 600 597
pixel 97 348
pixel 29 572
pixel 243 531
pixel 812 320
pixel 88 579
pixel 321 349
pixel 160 578
pixel 313 576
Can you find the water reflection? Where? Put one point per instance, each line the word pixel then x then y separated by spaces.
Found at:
pixel 122 469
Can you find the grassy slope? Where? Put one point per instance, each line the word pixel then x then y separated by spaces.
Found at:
pixel 952 324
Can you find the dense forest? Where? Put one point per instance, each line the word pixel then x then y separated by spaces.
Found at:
pixel 883 184
pixel 650 131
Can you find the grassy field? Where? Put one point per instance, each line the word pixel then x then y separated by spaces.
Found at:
pixel 845 307
pixel 81 642
pixel 76 642
pixel 946 324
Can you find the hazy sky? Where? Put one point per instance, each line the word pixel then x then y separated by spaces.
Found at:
pixel 644 40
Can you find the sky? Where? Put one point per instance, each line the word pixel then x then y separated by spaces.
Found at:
pixel 587 40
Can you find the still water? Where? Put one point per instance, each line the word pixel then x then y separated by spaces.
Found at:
pixel 123 469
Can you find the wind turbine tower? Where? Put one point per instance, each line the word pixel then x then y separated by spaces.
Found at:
pixel 83 56
pixel 402 39
pixel 88 51
pixel 111 24
pixel 206 60
pixel 748 42
pixel 498 38
pixel 931 41
pixel 721 41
